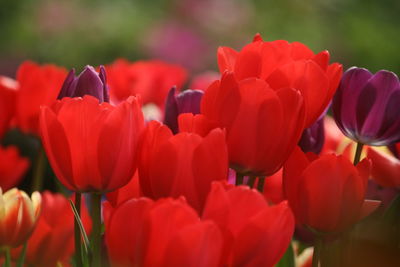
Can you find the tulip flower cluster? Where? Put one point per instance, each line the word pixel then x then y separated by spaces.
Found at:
pixel 234 173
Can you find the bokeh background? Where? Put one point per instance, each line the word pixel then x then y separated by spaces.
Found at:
pixel 73 33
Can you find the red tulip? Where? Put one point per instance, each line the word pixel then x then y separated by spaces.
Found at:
pixel 182 164
pixel 151 79
pixel 18 216
pixel 52 240
pixel 92 147
pixel 8 94
pixel 263 126
pixel 327 193
pixel 282 64
pixel 38 85
pixel 385 168
pixel 12 167
pixel 168 232
pixel 255 234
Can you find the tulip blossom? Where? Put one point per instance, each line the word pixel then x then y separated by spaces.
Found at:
pixel 92 147
pixel 12 167
pixel 365 106
pixel 38 85
pixel 262 125
pixel 182 164
pixel 327 193
pixel 52 240
pixel 282 64
pixel 385 168
pixel 141 232
pixel 187 101
pixel 150 79
pixel 255 234
pixel 18 216
pixel 8 94
pixel 89 82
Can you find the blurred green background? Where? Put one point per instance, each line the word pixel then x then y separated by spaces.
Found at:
pixel 74 33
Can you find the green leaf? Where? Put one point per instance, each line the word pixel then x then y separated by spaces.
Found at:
pixel 288 258
pixel 21 258
pixel 83 232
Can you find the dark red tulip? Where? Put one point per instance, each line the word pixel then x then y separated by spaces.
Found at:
pixel 255 234
pixel 12 167
pixel 88 82
pixel 187 101
pixel 182 164
pixel 92 147
pixel 38 86
pixel 52 240
pixel 141 232
pixel 262 125
pixel 8 94
pixel 149 79
pixel 313 137
pixel 286 65
pixel 365 106
pixel 327 193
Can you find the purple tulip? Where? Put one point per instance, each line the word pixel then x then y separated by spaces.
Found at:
pixel 366 106
pixel 186 102
pixel 312 139
pixel 89 82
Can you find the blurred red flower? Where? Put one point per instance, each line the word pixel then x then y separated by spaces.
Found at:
pixel 150 79
pixel 92 147
pixel 327 193
pixel 12 167
pixel 8 94
pixel 286 65
pixel 255 234
pixel 38 85
pixel 141 232
pixel 385 168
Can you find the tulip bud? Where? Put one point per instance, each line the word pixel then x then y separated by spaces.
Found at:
pixel 313 137
pixel 186 102
pixel 365 106
pixel 18 216
pixel 89 82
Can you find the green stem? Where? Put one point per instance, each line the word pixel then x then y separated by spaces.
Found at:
pixel 251 181
pixel 78 246
pixel 7 257
pixel 317 251
pixel 260 184
pixel 357 156
pixel 96 234
pixel 21 258
pixel 38 171
pixel 239 178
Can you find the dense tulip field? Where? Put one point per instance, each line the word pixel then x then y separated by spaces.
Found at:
pixel 271 162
